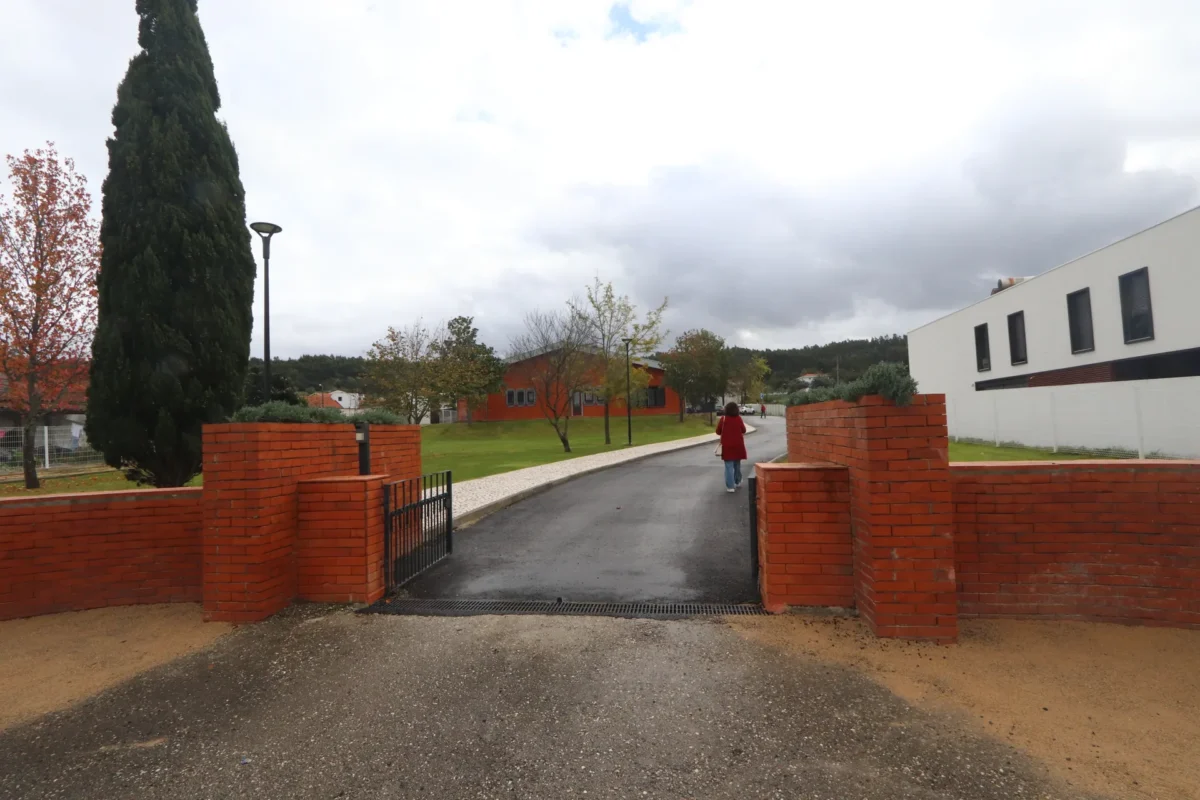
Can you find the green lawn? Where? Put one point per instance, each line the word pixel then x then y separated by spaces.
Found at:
pixel 486 448
pixel 966 451
pixel 108 480
pixel 470 451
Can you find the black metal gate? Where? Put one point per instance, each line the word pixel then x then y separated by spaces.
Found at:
pixel 418 526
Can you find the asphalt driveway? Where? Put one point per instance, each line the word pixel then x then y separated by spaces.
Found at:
pixel 325 703
pixel 660 529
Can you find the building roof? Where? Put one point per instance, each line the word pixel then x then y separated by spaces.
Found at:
pixel 517 358
pixel 322 400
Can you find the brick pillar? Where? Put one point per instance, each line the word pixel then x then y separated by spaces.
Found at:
pixel 902 515
pixel 396 451
pixel 251 472
pixel 804 542
pixel 339 547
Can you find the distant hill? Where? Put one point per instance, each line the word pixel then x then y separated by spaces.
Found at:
pixel 330 372
pixel 849 358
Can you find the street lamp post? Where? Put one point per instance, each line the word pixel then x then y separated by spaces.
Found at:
pixel 265 231
pixel 628 393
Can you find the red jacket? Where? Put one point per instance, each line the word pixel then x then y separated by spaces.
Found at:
pixel 733 438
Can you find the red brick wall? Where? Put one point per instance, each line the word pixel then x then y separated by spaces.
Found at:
pixel 900 504
pixel 804 543
pixel 1109 541
pixel 339 541
pixel 396 451
pixel 74 552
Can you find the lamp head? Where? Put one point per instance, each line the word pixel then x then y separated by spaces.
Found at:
pixel 265 229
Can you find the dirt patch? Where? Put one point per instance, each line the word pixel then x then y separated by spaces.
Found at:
pixel 1109 708
pixel 49 663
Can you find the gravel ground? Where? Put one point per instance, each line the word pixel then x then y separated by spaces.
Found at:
pixel 470 496
pixel 48 663
pixel 324 703
pixel 1107 707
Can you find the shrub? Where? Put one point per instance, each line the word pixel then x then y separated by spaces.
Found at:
pixel 890 380
pixel 283 412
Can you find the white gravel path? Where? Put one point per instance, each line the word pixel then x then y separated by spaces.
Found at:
pixel 476 498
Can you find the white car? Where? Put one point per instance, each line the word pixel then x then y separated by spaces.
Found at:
pixel 747 410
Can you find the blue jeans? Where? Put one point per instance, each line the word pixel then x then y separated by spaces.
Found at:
pixel 733 474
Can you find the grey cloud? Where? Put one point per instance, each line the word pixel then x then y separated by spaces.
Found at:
pixel 1041 183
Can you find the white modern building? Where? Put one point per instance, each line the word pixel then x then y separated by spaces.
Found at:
pixel 1101 353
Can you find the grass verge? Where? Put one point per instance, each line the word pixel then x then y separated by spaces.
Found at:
pixel 488 448
pixel 968 451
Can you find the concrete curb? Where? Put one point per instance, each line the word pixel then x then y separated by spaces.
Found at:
pixel 474 515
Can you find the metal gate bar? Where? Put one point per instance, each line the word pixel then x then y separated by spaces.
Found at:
pixel 418 526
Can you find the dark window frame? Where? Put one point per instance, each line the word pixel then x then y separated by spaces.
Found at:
pixel 983 359
pixel 510 397
pixel 1073 323
pixel 531 397
pixel 1124 283
pixel 520 397
pixel 1018 317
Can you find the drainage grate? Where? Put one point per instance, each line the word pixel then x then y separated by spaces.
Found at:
pixel 472 608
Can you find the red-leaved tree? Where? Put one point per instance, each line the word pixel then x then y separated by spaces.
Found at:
pixel 49 256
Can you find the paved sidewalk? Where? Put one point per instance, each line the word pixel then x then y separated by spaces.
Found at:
pixel 473 499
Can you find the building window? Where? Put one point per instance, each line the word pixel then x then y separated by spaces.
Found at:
pixel 657 397
pixel 1016 338
pixel 1136 315
pixel 520 397
pixel 1079 318
pixel 983 355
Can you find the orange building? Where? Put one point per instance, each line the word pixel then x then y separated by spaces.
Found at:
pixel 522 395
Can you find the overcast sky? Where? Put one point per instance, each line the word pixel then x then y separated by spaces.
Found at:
pixel 786 172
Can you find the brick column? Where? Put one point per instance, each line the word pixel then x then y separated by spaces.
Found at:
pixel 339 547
pixel 396 451
pixel 804 543
pixel 901 507
pixel 903 518
pixel 251 472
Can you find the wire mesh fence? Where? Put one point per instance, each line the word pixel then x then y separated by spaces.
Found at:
pixel 55 447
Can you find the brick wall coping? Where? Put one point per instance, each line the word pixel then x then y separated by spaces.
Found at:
pixel 83 498
pixel 771 466
pixel 345 479
pixel 876 400
pixel 1105 463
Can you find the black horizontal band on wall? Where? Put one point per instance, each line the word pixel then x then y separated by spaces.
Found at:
pixel 1174 364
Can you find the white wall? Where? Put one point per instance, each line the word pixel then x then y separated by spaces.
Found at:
pixel 1159 417
pixel 942 353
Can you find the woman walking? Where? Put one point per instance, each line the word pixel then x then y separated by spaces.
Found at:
pixel 732 431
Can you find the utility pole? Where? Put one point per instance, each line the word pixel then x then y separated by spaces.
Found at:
pixel 837 370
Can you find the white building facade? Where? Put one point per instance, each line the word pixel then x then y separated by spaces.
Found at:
pixel 1099 354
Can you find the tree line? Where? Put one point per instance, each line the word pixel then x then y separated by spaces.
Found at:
pixel 842 361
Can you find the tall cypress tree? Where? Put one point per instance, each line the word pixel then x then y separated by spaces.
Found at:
pixel 176 279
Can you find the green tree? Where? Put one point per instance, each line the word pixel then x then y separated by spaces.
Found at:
pixel 608 320
pixel 176 279
pixel 748 376
pixel 403 372
pixel 467 368
pixel 697 367
pixel 282 390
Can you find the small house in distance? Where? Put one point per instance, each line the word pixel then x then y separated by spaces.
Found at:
pixel 520 398
pixel 1099 354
